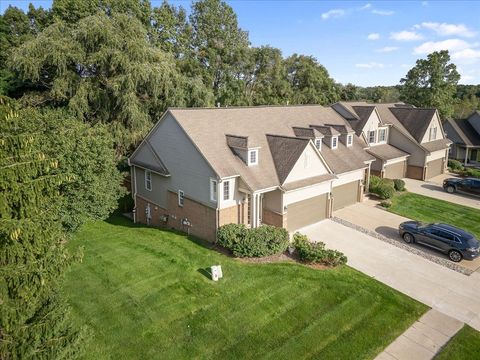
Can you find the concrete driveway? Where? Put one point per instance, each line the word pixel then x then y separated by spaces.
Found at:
pixel 447 291
pixel 434 189
pixel 367 215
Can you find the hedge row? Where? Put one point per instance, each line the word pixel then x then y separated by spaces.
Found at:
pixel 458 168
pixel 385 188
pixel 264 240
pixel 315 253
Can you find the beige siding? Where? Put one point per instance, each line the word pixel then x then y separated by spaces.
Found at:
pixel 434 123
pixel 417 154
pixel 309 164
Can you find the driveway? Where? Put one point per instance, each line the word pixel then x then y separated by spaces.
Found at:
pixel 367 215
pixel 434 189
pixel 447 291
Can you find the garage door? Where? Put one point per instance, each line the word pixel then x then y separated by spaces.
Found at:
pixel 396 171
pixel 345 195
pixel 306 212
pixel 434 168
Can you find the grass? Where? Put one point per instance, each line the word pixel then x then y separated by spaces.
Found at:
pixel 144 294
pixel 427 209
pixel 463 346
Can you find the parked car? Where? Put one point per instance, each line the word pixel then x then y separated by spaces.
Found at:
pixel 456 243
pixel 467 185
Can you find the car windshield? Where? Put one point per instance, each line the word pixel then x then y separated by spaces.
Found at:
pixel 422 225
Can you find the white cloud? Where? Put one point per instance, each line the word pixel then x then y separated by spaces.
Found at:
pixel 466 55
pixel 383 12
pixel 405 36
pixel 366 6
pixel 445 29
pixel 370 65
pixel 334 13
pixel 450 45
pixel 373 36
pixel 387 49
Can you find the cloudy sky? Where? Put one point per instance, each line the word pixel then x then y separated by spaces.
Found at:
pixel 365 43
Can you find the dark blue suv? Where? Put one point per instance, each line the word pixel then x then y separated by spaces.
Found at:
pixel 450 240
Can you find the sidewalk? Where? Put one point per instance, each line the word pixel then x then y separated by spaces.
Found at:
pixel 424 339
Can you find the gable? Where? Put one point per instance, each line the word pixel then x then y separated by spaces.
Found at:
pixel 372 123
pixel 309 164
pixel 435 122
pixel 146 157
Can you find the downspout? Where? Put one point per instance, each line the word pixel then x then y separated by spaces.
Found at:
pixel 134 195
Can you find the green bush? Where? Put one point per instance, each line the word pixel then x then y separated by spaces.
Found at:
pixel 383 188
pixel 399 185
pixel 264 240
pixel 473 173
pixel 455 165
pixel 315 253
pixel 386 203
pixel 230 234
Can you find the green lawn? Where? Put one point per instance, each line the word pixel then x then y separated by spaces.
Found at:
pixel 143 293
pixel 465 345
pixel 427 209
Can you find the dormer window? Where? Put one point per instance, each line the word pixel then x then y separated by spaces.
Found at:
pixel 318 143
pixel 371 137
pixel 334 142
pixel 252 157
pixel 349 140
pixel 382 135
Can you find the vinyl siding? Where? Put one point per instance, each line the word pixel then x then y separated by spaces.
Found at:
pixel 417 154
pixel 308 165
pixel 434 123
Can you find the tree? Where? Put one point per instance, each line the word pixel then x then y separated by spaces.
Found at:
pixel 86 152
pixel 34 321
pixel 310 81
pixel 220 48
pixel 432 82
pixel 104 69
pixel 349 92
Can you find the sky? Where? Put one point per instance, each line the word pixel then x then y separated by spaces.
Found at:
pixel 366 43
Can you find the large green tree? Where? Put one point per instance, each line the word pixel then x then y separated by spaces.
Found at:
pixel 34 318
pixel 432 82
pixel 103 68
pixel 310 82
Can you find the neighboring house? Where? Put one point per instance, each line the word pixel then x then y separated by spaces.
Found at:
pixel 465 135
pixel 291 166
pixel 406 141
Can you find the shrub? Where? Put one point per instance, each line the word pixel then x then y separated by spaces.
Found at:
pixel 383 188
pixel 455 165
pixel 473 173
pixel 230 234
pixel 315 253
pixel 374 181
pixel 388 182
pixel 399 185
pixel 262 241
pixel 386 203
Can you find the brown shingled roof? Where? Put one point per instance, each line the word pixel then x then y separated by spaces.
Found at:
pixel 462 132
pixel 386 152
pixel 235 141
pixel 285 152
pixel 415 120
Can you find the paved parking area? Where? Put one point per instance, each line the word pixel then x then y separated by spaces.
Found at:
pixel 367 215
pixel 444 290
pixel 434 189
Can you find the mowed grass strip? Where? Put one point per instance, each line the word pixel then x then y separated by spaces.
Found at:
pixel 430 210
pixel 463 346
pixel 144 294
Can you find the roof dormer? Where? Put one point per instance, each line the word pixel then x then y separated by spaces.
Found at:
pixel 240 147
pixel 346 133
pixel 310 133
pixel 330 135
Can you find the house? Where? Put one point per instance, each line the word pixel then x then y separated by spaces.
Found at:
pixel 465 135
pixel 406 141
pixel 287 166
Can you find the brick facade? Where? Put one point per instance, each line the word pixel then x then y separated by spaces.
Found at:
pixel 272 218
pixel 236 214
pixel 201 217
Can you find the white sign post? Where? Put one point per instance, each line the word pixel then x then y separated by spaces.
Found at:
pixel 216 271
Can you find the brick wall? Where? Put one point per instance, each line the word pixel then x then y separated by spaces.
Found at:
pixel 201 217
pixel 273 218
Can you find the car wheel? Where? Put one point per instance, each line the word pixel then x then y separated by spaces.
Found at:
pixel 450 189
pixel 455 255
pixel 408 238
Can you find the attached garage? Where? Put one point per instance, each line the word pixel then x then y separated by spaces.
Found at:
pixel 345 195
pixel 434 168
pixel 306 212
pixel 395 171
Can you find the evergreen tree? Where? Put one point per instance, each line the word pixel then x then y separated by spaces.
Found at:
pixel 34 318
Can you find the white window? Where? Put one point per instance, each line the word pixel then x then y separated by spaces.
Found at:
pixel 433 133
pixel 382 135
pixel 213 189
pixel 226 190
pixel 371 137
pixel 148 180
pixel 349 140
pixel 318 144
pixel 181 198
pixel 334 142
pixel 252 157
